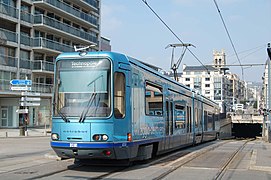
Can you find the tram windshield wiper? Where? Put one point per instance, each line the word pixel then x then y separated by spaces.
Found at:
pixel 63 116
pixel 86 109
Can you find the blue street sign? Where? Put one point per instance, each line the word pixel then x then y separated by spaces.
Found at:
pixel 21 82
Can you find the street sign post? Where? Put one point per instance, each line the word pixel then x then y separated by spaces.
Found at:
pixel 22 111
pixel 30 94
pixel 20 88
pixel 18 82
pixel 30 98
pixel 30 104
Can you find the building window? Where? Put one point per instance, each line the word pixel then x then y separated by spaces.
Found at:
pixel 187 79
pixel 207 92
pixel 207 85
pixel 207 79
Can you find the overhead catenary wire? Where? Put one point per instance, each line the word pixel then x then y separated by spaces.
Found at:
pixel 228 34
pixel 165 24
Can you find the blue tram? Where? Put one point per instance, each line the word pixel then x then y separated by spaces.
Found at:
pixel 110 106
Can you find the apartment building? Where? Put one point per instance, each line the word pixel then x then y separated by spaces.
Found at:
pixel 209 80
pixel 32 34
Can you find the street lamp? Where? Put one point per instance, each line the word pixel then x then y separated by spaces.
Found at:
pixel 269 88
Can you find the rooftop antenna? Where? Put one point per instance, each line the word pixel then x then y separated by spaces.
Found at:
pixel 80 49
pixel 175 66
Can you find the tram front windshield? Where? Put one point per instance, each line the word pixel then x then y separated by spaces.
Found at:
pixel 82 88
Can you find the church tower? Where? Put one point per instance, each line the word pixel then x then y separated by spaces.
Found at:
pixel 219 59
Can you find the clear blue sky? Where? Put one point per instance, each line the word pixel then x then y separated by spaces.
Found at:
pixel 134 30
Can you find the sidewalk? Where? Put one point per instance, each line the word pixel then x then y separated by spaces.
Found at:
pixel 31 132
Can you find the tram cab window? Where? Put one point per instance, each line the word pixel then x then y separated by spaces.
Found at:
pixel 154 100
pixel 180 114
pixel 119 95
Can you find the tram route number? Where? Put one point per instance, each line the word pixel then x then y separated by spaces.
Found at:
pixel 73 144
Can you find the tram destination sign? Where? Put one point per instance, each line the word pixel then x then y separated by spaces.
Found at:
pixel 21 82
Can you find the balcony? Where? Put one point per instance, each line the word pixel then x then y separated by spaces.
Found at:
pixel 61 27
pixel 26 40
pixel 42 43
pixel 93 3
pixel 42 88
pixel 6 35
pixel 69 11
pixel 25 63
pixel 8 10
pixel 36 87
pixel 41 66
pixel 27 17
pixel 8 61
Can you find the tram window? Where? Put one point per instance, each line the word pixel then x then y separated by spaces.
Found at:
pixel 180 114
pixel 205 120
pixel 119 95
pixel 210 120
pixel 196 118
pixel 154 100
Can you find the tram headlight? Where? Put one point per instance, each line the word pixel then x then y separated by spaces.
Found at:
pixel 100 137
pixel 96 137
pixel 104 137
pixel 55 136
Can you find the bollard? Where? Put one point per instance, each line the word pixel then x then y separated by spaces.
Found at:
pixel 22 131
pixel 26 133
pixel 6 134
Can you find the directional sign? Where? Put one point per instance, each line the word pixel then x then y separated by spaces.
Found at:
pixel 21 82
pixel 30 99
pixel 30 94
pixel 30 103
pixel 22 111
pixel 20 88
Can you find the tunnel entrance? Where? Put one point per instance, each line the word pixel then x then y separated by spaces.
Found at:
pixel 246 130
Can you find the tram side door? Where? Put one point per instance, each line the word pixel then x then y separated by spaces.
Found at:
pixel 169 119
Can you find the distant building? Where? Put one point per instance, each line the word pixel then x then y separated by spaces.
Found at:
pixel 105 44
pixel 214 82
pixel 32 34
pixel 209 81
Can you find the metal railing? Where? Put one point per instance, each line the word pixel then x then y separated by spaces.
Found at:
pixel 93 3
pixel 25 16
pixel 36 87
pixel 26 40
pixel 40 65
pixel 47 43
pixel 42 88
pixel 8 10
pixel 8 35
pixel 8 61
pixel 25 63
pixel 69 9
pixel 42 19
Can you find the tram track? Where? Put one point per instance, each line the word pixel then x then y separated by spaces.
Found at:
pixel 224 168
pixel 170 163
pixel 183 161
